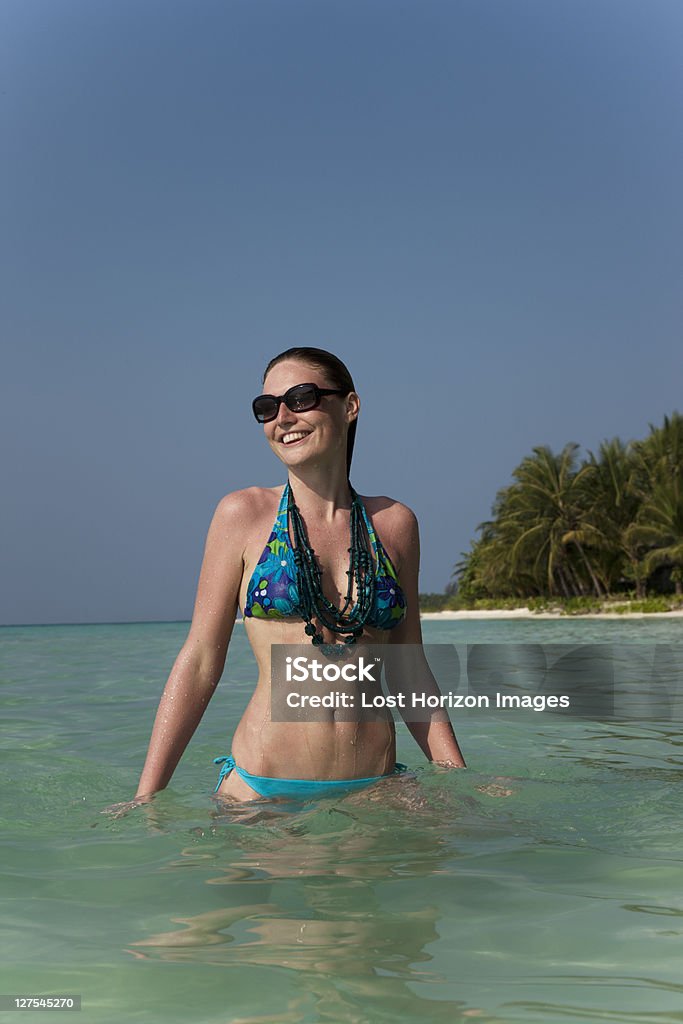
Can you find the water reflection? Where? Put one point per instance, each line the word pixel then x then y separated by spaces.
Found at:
pixel 435 899
pixel 322 894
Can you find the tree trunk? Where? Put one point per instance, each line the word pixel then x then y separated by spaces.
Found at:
pixel 572 580
pixel 563 582
pixel 640 582
pixel 598 589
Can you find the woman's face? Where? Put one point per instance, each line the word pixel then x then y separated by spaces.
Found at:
pixel 317 435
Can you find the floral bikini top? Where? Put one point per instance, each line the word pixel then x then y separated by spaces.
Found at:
pixel 273 591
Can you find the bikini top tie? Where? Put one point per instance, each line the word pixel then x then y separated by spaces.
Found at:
pixel 273 591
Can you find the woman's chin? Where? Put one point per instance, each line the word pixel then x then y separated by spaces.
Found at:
pixel 293 456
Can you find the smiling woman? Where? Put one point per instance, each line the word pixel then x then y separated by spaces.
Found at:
pixel 323 576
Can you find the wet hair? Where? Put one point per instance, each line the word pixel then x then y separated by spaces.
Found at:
pixel 336 374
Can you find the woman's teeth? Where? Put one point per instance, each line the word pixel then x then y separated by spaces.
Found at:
pixel 296 436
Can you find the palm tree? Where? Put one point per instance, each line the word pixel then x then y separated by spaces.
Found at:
pixel 561 529
pixel 613 504
pixel 546 509
pixel 659 525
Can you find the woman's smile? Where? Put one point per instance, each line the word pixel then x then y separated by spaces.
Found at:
pixel 294 437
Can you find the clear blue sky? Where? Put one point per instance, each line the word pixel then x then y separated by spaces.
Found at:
pixel 476 204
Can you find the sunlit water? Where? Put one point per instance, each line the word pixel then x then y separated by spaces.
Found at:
pixel 552 894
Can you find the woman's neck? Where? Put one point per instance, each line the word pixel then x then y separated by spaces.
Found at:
pixel 320 494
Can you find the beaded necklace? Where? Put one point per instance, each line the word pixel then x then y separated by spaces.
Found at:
pixel 361 574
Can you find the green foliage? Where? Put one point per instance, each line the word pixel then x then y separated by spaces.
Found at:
pixel 572 534
pixel 648 605
pixel 432 602
pixel 581 605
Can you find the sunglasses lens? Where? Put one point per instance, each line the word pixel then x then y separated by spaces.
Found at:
pixel 298 399
pixel 301 398
pixel 265 409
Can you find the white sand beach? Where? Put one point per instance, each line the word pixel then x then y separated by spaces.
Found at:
pixel 525 613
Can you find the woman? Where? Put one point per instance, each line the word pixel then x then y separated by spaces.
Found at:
pixel 308 584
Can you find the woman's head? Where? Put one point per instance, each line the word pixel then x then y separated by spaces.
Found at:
pixel 329 372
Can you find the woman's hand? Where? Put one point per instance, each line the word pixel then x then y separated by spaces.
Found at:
pixel 120 810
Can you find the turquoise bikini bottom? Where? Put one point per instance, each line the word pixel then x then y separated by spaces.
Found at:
pixel 302 788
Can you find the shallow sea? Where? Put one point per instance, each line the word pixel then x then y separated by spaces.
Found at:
pixel 554 894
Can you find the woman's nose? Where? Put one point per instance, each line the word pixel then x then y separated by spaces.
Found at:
pixel 285 416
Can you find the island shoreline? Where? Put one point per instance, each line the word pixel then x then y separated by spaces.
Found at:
pixel 526 613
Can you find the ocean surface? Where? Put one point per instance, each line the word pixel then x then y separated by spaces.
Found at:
pixel 545 883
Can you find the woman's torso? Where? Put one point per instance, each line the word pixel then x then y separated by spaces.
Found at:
pixel 331 746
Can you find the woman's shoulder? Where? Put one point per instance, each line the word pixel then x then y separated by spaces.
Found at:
pixel 396 527
pixel 248 504
pixel 390 517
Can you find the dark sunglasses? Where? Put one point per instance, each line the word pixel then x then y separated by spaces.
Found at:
pixel 300 398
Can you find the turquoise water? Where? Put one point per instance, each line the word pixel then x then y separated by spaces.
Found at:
pixel 554 894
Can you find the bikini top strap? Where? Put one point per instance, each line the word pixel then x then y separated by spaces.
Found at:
pixel 281 518
pixel 384 565
pixel 374 539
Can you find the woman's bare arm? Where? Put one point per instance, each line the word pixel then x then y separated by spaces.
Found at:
pixel 412 673
pixel 200 662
